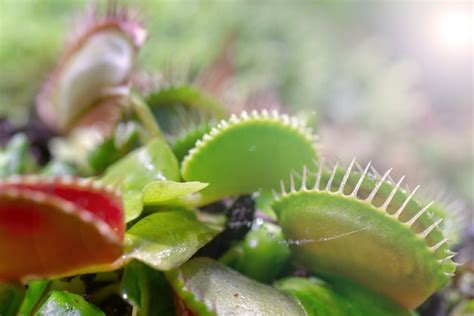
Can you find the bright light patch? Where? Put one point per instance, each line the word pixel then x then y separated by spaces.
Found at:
pixel 453 29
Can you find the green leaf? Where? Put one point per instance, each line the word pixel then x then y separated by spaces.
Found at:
pixel 378 236
pixel 67 304
pixel 147 289
pixel 210 288
pixel 150 163
pixel 160 192
pixel 39 289
pixel 11 296
pixel 36 291
pixel 187 138
pixel 262 247
pixel 176 108
pixel 248 153
pixel 167 239
pixel 15 158
pixel 125 139
pixel 263 203
pixel 104 155
pixel 338 299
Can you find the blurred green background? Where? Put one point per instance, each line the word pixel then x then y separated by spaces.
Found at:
pixel 389 82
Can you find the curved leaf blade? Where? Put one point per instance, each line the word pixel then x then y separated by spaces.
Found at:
pixel 152 162
pixel 165 240
pixel 164 192
pixel 67 304
pixel 210 288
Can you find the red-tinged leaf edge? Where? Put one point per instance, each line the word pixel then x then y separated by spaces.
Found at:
pixel 57 227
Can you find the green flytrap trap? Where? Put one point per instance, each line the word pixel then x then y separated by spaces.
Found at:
pixel 186 209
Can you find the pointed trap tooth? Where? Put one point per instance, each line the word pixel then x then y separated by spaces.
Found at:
pixel 450 252
pixel 214 131
pixel 292 183
pixel 207 137
pixel 361 179
pixel 457 264
pixel 254 114
pixel 275 114
pixel 275 195
pixel 449 274
pixel 359 167
pixel 294 122
pixel 418 215
pixel 38 197
pixel 233 118
pixel 439 244
pixel 265 113
pixel 446 259
pixel 405 203
pixel 346 176
pixel 372 194
pixel 97 185
pixel 331 178
pixel 223 124
pixel 429 229
pixel 390 179
pixel 317 181
pixel 86 182
pixel 317 163
pixel 191 152
pixel 304 178
pixel 67 180
pixel 295 174
pixel 385 205
pixel 282 187
pixel 110 188
pixel 244 115
pixel 407 187
pixel 332 163
pixel 199 143
pixel 374 171
pixel 285 119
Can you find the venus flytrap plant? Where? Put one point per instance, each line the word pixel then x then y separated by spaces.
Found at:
pixel 347 226
pixel 152 162
pixel 92 77
pixel 179 108
pixel 343 298
pixel 258 149
pixel 198 283
pixel 368 230
pixel 43 220
pixel 164 182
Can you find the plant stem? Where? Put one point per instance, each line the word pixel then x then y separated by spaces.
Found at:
pixel 146 116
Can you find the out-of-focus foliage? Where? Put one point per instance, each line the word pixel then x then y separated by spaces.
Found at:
pixel 337 59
